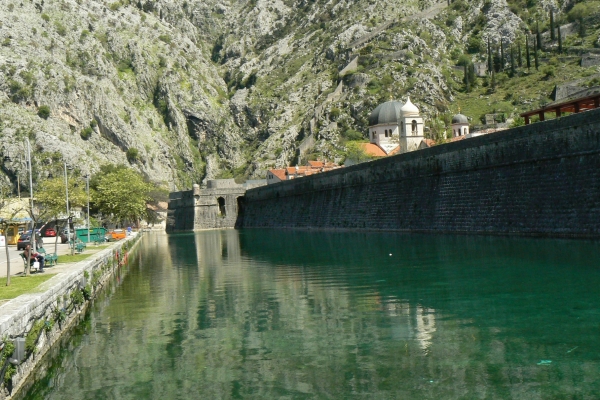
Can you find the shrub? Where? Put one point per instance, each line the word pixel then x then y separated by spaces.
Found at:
pixel 43 112
pixel 45 17
pixel 165 38
pixel 476 45
pixel 86 133
pixel 549 71
pixel 132 154
pixel 60 29
pixel 334 113
pixel 352 134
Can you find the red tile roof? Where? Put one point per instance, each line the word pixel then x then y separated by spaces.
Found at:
pixel 372 149
pixel 279 173
pixel 316 164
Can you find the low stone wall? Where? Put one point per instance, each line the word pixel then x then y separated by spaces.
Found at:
pixel 539 179
pixel 32 323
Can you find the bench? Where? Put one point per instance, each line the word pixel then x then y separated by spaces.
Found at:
pixel 50 258
pixel 31 261
pixel 77 246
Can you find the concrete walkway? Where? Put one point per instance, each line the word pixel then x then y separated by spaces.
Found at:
pixel 16 262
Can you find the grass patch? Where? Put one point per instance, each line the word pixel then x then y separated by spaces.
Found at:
pixel 21 284
pixel 67 258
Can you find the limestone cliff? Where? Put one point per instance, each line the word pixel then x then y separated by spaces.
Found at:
pixel 186 90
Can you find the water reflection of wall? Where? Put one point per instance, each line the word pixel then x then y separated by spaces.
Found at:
pixel 272 314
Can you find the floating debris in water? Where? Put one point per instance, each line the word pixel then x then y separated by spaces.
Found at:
pixel 545 362
pixel 572 349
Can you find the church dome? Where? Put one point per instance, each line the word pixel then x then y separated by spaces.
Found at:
pixel 386 113
pixel 460 119
pixel 409 109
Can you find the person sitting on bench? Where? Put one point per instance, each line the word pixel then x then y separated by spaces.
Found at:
pixel 34 256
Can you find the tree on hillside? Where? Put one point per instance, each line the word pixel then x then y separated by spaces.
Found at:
pixel 121 193
pixel 527 52
pixel 512 61
pixel 535 57
pixel 502 59
pixel 489 54
pixel 552 35
pixel 559 41
pixel 538 37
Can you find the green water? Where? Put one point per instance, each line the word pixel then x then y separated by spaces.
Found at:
pixel 261 314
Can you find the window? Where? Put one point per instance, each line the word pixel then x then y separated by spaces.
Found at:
pixel 414 127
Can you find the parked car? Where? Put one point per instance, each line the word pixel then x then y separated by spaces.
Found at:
pixel 23 241
pixel 49 232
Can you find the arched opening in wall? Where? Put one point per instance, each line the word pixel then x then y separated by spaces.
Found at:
pixel 221 203
pixel 414 127
pixel 241 206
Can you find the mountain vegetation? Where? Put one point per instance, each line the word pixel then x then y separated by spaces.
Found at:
pixel 187 90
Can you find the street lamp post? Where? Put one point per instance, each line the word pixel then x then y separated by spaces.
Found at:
pixel 67 200
pixel 32 237
pixel 87 188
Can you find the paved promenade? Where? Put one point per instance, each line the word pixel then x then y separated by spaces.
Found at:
pixel 16 262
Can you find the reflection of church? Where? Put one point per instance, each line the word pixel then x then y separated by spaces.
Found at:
pixel 394 128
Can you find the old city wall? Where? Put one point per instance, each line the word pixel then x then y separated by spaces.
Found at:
pixel 540 179
pixel 213 207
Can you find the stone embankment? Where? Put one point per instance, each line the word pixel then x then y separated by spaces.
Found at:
pixel 31 323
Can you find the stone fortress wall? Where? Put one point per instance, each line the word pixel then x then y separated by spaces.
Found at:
pixel 214 207
pixel 539 179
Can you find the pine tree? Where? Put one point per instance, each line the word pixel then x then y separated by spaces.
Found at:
pixel 538 37
pixel 535 55
pixel 527 52
pixel 559 40
pixel 490 63
pixel 552 35
pixel 502 59
pixel 512 61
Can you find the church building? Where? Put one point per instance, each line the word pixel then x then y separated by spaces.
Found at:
pixel 394 128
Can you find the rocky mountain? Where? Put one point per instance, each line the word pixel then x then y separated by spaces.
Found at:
pixel 186 90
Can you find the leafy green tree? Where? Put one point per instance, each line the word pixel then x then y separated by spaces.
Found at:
pixel 122 193
pixel 51 195
pixel 355 154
